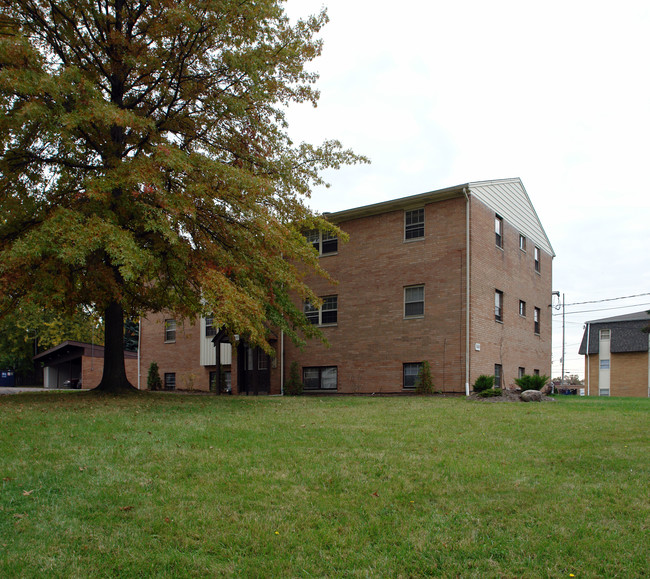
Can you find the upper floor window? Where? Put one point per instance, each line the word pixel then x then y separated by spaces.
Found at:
pixel 210 330
pixel 326 315
pixel 498 230
pixel 324 243
pixel 414 301
pixel 522 308
pixel 537 258
pixel 170 330
pixel 522 242
pixel 604 364
pixel 414 224
pixel 604 335
pixel 536 320
pixel 498 305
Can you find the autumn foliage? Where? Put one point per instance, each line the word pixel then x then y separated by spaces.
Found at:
pixel 145 162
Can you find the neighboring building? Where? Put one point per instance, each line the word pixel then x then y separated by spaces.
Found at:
pixel 77 364
pixel 616 356
pixel 459 277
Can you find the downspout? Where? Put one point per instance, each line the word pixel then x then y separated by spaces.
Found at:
pixel 139 334
pixel 588 361
pixel 467 292
pixel 281 362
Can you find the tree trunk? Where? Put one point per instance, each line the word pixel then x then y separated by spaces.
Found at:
pixel 114 378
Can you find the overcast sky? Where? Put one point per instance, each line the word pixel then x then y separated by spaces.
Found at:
pixel 557 93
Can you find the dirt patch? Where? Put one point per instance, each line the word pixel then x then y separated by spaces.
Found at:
pixel 507 396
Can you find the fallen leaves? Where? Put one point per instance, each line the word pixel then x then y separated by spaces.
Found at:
pixel 127 508
pixel 27 493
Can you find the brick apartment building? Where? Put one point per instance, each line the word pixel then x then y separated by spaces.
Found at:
pixel 459 277
pixel 617 359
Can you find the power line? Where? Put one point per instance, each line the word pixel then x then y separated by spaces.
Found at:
pixel 607 300
pixel 604 309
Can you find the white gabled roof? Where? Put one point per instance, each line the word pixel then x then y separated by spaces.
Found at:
pixel 509 199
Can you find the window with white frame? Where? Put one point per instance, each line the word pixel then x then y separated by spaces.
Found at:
pixel 604 364
pixel 170 330
pixel 536 319
pixel 604 335
pixel 414 301
pixel 320 378
pixel 522 308
pixel 324 243
pixel 326 315
pixel 498 230
pixel 414 224
pixel 537 260
pixel 522 242
pixel 210 330
pixel 498 305
pixel 410 374
pixel 603 391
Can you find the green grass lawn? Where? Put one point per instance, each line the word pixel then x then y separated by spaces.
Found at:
pixel 170 486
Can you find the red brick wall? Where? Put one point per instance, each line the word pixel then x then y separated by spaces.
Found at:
pixel 93 367
pixel 181 357
pixel 372 339
pixel 513 343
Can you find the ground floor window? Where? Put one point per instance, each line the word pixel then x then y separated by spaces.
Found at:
pixel 320 378
pixel 226 386
pixel 522 372
pixel 170 381
pixel 411 371
pixel 498 372
pixel 603 391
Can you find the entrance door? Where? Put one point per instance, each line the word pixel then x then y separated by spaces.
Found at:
pixel 254 370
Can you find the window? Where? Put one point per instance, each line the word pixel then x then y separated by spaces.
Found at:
pixel 603 391
pixel 210 330
pixel 498 305
pixel 522 308
pixel 498 371
pixel 262 360
pixel 537 264
pixel 414 301
pixel 170 330
pixel 604 335
pixel 536 371
pixel 498 230
pixel 604 364
pixel 324 243
pixel 410 374
pixel 522 242
pixel 414 224
pixel 521 372
pixel 320 378
pixel 326 315
pixel 536 320
pixel 170 381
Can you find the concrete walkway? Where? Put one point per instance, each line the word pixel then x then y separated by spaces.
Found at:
pixel 21 390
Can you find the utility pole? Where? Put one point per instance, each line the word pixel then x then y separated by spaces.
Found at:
pixel 563 334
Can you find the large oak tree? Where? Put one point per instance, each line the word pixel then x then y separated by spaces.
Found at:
pixel 145 162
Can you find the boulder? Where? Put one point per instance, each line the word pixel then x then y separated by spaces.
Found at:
pixel 547 389
pixel 531 396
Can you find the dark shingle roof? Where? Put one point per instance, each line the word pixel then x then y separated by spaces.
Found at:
pixel 627 333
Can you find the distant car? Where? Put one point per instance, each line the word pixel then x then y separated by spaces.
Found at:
pixel 73 384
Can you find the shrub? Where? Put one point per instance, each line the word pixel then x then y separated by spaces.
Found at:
pixel 483 382
pixel 490 392
pixel 153 377
pixel 294 386
pixel 424 382
pixel 531 382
